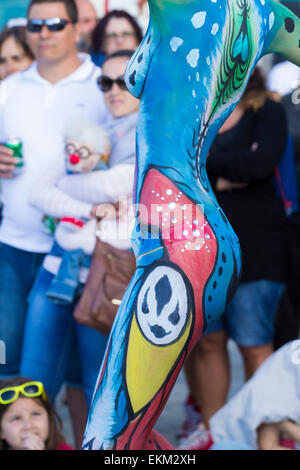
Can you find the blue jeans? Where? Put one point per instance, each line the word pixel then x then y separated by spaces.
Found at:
pixel 249 318
pixel 51 334
pixel 18 270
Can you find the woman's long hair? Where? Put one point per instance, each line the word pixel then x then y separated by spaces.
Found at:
pixel 256 92
pixel 98 35
pixel 18 33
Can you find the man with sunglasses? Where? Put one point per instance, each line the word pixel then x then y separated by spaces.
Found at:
pixel 35 106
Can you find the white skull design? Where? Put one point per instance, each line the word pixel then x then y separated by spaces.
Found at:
pixel 162 306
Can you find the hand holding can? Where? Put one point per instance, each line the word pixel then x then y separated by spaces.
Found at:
pixel 7 162
pixel 15 145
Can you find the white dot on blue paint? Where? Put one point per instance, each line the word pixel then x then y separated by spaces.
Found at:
pixel 198 19
pixel 175 43
pixel 214 29
pixel 193 57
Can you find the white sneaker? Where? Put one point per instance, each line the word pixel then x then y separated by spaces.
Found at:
pixel 200 439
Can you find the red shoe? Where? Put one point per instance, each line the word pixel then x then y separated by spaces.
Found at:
pixel 193 417
pixel 200 439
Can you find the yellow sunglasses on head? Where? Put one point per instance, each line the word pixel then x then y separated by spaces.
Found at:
pixel 29 389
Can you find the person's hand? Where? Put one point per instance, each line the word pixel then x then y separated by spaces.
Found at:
pixel 7 162
pixel 223 184
pixel 254 147
pixel 290 429
pixel 32 442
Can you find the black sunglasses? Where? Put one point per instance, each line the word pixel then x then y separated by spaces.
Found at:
pixel 106 83
pixel 53 24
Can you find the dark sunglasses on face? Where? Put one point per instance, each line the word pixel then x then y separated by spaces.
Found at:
pixel 106 83
pixel 53 24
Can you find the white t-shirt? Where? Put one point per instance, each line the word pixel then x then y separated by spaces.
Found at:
pixel 36 111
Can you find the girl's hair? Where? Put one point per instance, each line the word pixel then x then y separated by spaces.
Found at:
pixel 98 35
pixel 18 33
pixel 256 92
pixel 55 425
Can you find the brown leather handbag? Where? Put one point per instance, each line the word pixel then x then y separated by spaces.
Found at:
pixel 110 273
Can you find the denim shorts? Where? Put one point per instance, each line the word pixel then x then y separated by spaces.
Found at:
pixel 249 318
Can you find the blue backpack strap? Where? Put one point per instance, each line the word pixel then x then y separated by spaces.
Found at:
pixel 285 179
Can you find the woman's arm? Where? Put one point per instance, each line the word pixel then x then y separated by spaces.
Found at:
pixel 243 165
pixel 50 199
pixel 100 186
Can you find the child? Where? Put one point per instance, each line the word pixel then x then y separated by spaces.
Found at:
pixel 87 149
pixel 27 418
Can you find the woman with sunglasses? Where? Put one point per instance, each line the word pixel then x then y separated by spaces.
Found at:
pixel 116 31
pixel 28 421
pixel 15 54
pixel 50 329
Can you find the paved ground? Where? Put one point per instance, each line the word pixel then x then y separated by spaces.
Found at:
pixel 172 415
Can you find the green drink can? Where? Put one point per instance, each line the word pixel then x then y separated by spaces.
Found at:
pixel 49 224
pixel 16 145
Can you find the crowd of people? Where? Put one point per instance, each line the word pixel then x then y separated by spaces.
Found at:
pixel 63 98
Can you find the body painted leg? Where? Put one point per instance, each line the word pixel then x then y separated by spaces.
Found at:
pixel 159 321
